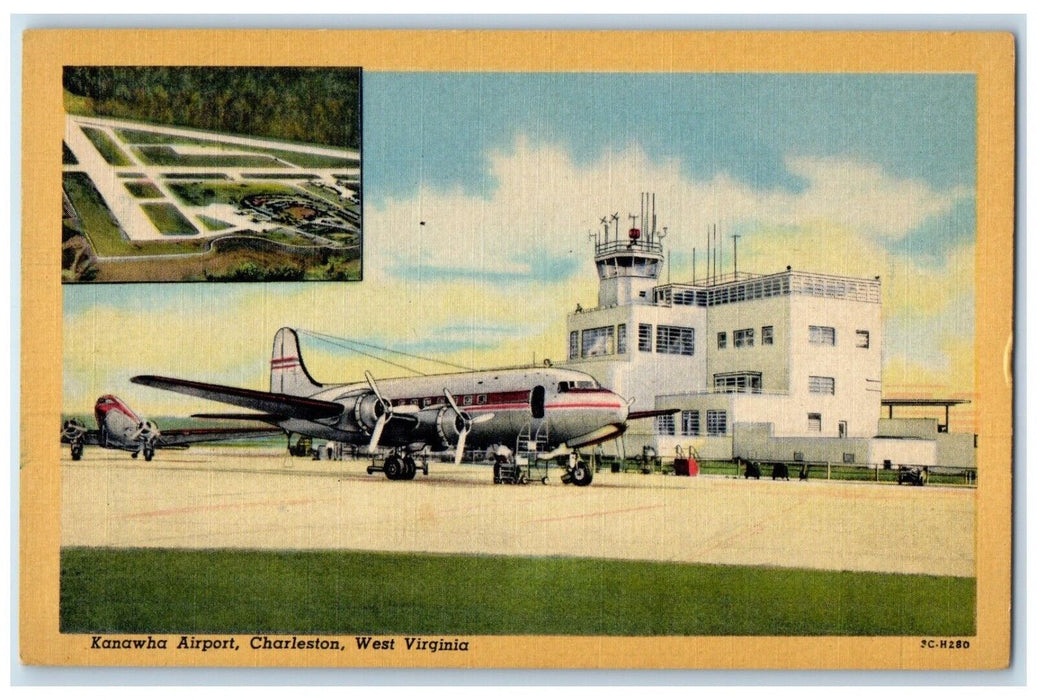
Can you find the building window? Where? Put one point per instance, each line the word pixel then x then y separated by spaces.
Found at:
pixel 863 339
pixel 675 340
pixel 664 425
pixel 822 335
pixel 744 338
pixel 690 423
pixel 721 341
pixel 849 457
pixel 621 339
pixel 738 383
pixel 843 431
pixel 644 337
pixel 767 335
pixel 574 345
pixel 814 422
pixel 716 423
pixel 822 385
pixel 597 341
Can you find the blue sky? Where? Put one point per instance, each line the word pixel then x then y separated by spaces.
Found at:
pixel 439 128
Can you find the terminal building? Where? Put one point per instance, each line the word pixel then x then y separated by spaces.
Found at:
pixel 784 366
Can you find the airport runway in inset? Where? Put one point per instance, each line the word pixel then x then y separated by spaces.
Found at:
pixel 218 497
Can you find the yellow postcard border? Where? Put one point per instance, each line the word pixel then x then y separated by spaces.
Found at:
pixel 988 55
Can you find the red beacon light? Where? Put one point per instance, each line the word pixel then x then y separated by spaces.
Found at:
pixel 635 233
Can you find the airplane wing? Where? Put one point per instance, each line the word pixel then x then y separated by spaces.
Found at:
pixel 187 436
pixel 635 415
pixel 265 401
pixel 273 418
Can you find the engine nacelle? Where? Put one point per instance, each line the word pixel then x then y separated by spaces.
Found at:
pixel 438 426
pixel 367 409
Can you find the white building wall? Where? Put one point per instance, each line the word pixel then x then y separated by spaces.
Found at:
pixel 857 371
pixel 771 361
pixel 637 374
pixel 904 451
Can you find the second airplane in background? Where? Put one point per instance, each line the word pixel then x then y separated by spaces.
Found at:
pixel 119 428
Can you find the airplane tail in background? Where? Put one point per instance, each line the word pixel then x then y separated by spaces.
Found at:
pixel 288 374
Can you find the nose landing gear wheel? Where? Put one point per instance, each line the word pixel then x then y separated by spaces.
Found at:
pixel 581 475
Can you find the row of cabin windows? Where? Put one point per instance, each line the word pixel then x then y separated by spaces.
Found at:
pixel 463 400
pixel 716 423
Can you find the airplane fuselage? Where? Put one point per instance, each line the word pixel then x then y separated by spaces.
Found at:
pixel 119 426
pixel 577 410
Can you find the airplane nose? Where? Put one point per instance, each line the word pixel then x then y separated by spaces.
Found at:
pixel 623 410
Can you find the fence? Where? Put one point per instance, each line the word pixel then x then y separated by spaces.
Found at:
pixel 879 473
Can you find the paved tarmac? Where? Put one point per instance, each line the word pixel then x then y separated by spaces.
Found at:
pixel 220 497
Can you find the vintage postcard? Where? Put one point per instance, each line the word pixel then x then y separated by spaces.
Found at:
pixel 517 349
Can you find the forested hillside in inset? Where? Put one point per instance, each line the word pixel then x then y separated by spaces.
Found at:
pixel 313 105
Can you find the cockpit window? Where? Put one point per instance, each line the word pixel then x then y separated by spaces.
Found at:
pixel 583 384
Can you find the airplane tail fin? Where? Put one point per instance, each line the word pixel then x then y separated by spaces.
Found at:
pixel 288 374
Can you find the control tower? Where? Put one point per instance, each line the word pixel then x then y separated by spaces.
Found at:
pixel 628 266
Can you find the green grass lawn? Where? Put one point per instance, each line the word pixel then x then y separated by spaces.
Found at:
pixel 97 221
pixel 200 194
pixel 168 219
pixel 108 149
pixel 335 592
pixel 164 155
pixel 143 190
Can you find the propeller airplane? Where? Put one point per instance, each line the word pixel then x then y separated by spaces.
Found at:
pixel 119 428
pixel 459 410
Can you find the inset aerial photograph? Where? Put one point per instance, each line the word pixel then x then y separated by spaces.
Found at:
pixel 211 174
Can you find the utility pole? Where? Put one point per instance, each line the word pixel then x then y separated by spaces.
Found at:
pixel 736 237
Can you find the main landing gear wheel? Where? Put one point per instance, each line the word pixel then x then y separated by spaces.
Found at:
pixel 581 475
pixel 393 467
pixel 410 468
pixel 149 452
pixel 77 451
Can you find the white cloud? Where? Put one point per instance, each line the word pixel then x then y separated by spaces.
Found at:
pixel 516 261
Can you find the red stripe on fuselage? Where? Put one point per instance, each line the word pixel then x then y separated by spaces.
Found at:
pixel 583 405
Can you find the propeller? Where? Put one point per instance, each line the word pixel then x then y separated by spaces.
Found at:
pixel 388 410
pixel 72 429
pixel 146 429
pixel 467 422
